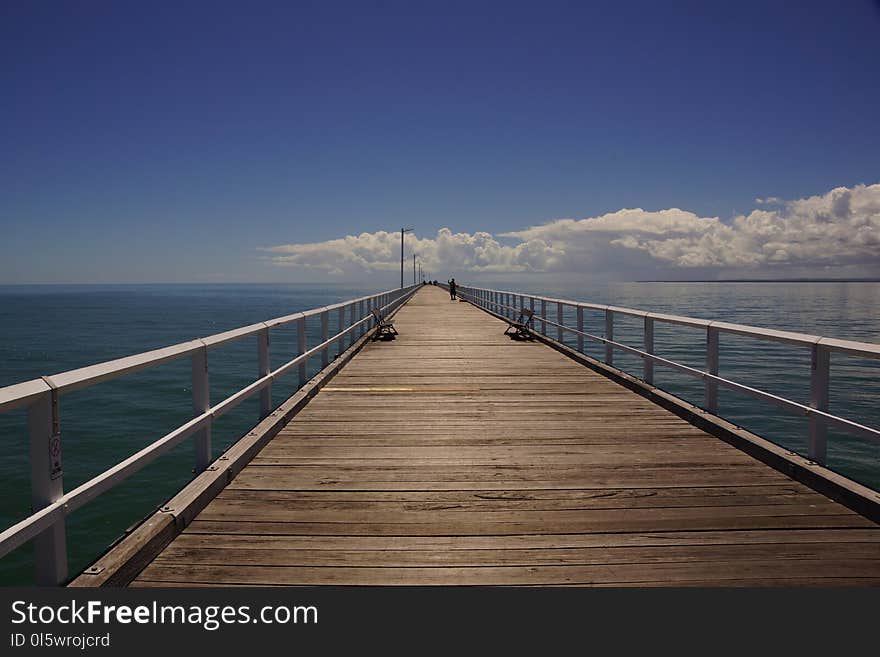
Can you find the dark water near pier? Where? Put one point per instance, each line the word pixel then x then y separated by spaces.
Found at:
pixel 50 329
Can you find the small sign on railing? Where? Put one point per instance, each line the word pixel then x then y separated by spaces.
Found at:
pixel 55 470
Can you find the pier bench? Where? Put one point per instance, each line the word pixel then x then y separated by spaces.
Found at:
pixel 520 325
pixel 384 329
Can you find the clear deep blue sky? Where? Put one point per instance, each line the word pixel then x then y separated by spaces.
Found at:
pixel 168 141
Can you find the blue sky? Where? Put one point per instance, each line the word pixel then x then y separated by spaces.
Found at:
pixel 153 142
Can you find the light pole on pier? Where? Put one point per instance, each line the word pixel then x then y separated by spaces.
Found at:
pixel 414 268
pixel 402 232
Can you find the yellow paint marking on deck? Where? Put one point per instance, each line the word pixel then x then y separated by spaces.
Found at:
pixel 398 389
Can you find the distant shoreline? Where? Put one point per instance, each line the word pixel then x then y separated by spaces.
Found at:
pixel 771 280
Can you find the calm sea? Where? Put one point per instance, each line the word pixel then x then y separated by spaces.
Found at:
pixel 50 329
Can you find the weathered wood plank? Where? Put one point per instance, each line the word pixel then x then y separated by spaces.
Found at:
pixel 444 544
pixel 466 501
pixel 305 478
pixel 231 510
pixel 668 573
pixel 250 556
pixel 617 523
pixel 485 453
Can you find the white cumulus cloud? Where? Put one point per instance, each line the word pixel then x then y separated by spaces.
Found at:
pixel 475 252
pixel 839 229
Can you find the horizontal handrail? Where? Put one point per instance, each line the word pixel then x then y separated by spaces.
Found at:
pixel 40 396
pixel 498 302
pixel 18 395
pixel 851 347
pixel 22 394
pixel 807 411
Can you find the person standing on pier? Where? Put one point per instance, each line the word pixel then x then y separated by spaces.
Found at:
pixel 452 289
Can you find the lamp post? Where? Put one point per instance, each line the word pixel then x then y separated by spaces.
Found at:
pixel 402 232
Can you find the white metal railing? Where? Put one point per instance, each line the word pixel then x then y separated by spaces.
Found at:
pixel 50 504
pixel 510 304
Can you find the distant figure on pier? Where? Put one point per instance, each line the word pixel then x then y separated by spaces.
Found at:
pixel 452 289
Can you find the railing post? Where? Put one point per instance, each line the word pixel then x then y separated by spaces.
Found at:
pixel 560 309
pixel 532 303
pixel 47 486
pixel 325 335
pixel 263 370
pixel 201 402
pixel 301 349
pixel 340 317
pixel 820 370
pixel 351 334
pixel 522 303
pixel 543 317
pixel 609 335
pixel 580 328
pixel 712 368
pixel 363 328
pixel 649 348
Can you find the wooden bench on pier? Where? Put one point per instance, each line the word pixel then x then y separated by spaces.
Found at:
pixel 520 325
pixel 384 329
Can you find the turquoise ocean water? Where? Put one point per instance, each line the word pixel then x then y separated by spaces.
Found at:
pixel 50 329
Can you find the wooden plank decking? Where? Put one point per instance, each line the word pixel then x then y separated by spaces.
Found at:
pixel 455 455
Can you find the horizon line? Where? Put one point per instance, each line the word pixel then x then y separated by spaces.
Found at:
pixel 335 283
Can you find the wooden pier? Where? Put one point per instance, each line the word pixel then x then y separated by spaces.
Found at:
pixel 454 455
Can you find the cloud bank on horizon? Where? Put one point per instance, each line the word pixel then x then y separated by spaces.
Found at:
pixel 837 233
